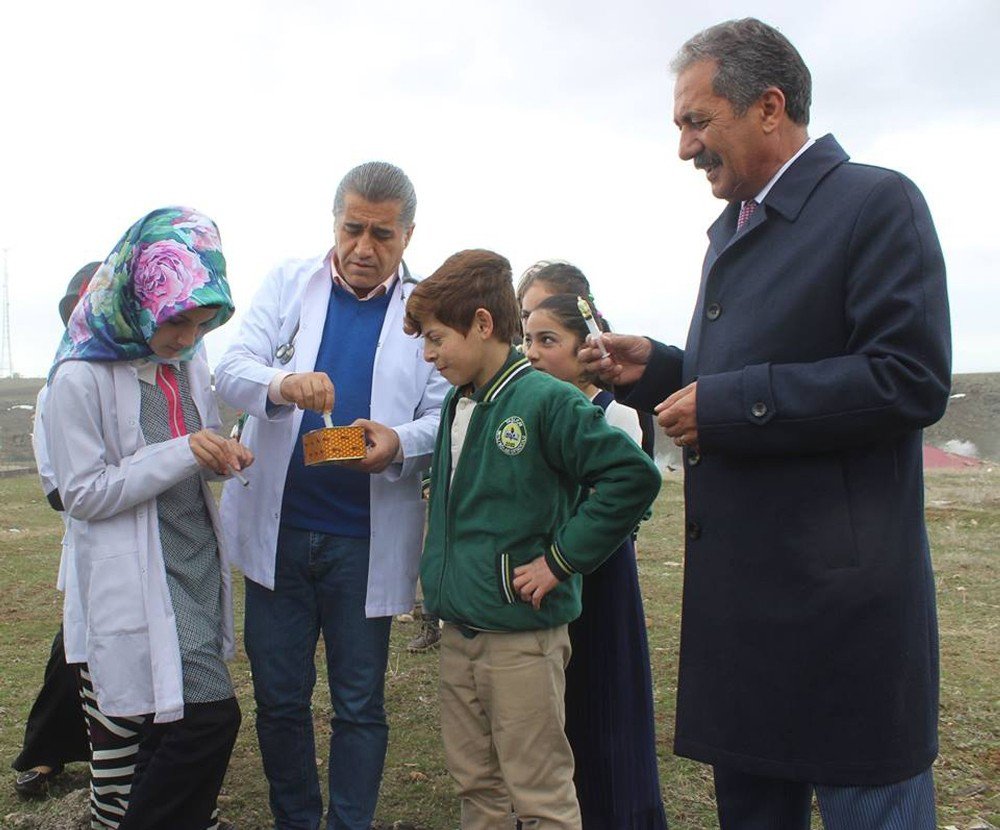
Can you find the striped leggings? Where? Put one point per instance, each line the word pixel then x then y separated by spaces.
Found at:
pixel 114 745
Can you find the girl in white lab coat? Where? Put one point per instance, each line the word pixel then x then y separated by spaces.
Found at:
pixel 130 421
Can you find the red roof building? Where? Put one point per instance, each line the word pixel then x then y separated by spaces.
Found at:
pixel 935 459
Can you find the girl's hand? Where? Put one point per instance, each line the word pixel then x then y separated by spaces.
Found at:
pixel 534 580
pixel 244 454
pixel 218 454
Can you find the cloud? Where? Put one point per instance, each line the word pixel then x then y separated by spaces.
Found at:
pixel 539 129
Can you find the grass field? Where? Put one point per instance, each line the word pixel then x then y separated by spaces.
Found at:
pixel 964 518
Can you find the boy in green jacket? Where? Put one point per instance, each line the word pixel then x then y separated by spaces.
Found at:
pixel 530 487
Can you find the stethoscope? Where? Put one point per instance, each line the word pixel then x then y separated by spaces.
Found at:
pixel 286 351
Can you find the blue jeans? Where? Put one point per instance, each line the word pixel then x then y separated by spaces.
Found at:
pixel 319 585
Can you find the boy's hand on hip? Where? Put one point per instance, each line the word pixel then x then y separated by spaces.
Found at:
pixel 534 580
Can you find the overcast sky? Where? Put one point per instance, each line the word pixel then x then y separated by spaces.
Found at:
pixel 538 129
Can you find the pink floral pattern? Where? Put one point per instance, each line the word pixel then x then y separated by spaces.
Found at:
pixel 166 263
pixel 204 234
pixel 77 328
pixel 165 275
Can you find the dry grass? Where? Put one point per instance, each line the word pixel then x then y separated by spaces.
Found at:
pixel 964 516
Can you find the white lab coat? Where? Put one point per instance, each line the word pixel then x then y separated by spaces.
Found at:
pixel 74 630
pixel 109 480
pixel 406 395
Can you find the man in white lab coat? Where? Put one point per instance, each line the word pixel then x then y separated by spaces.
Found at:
pixel 330 549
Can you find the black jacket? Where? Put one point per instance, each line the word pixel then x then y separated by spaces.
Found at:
pixel 821 346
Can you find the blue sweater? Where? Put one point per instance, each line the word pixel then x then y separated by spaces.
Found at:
pixel 332 499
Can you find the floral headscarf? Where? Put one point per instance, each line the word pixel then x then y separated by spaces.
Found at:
pixel 168 262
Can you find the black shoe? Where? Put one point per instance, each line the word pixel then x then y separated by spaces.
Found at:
pixel 34 783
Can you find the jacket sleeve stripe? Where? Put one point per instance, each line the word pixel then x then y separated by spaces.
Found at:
pixel 558 563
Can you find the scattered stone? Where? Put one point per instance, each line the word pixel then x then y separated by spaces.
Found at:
pixel 981 824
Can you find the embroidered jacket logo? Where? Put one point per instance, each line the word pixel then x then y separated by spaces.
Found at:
pixel 512 436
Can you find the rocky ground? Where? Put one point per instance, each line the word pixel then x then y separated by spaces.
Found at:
pixel 68 812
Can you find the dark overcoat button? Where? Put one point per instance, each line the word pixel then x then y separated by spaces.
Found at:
pixel 713 311
pixel 693 530
pixel 759 409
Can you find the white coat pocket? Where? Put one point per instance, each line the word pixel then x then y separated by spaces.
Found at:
pixel 115 600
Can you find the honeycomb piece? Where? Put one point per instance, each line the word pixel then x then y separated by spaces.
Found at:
pixel 331 444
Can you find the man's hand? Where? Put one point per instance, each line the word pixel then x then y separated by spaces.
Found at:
pixel 309 390
pixel 534 580
pixel 219 454
pixel 678 415
pixel 627 357
pixel 383 444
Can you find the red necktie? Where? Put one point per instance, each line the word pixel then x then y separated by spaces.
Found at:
pixel 746 211
pixel 166 379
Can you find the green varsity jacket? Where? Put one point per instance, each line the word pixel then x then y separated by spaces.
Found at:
pixel 541 472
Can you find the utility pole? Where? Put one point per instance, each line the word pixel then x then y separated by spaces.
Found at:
pixel 6 360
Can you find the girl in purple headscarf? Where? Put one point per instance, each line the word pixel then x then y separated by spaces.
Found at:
pixel 131 420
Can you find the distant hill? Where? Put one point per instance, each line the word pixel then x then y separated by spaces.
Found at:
pixel 970 426
pixel 17 407
pixel 973 417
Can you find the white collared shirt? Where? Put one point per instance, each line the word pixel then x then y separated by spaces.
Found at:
pixel 759 198
pixel 338 279
pixel 145 369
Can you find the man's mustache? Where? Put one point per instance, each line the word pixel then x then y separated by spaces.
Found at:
pixel 706 159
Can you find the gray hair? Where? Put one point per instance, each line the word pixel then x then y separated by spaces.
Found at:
pixel 751 57
pixel 378 181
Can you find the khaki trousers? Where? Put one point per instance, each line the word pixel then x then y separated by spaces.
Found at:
pixel 503 720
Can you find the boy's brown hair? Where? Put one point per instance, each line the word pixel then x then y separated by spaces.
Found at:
pixel 467 281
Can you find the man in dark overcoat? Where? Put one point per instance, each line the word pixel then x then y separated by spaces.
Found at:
pixel 818 350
